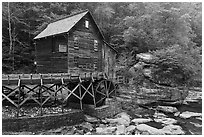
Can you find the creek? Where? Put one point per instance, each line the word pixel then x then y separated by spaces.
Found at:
pixel 191 126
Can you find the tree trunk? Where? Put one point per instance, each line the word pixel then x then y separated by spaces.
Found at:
pixel 10 35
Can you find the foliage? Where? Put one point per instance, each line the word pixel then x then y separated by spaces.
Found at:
pixel 157 30
pixel 176 66
pixel 131 27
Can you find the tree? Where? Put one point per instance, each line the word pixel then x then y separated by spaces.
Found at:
pixel 158 30
pixel 176 66
pixel 131 27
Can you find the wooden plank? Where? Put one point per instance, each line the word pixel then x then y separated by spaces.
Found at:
pixel 47 78
pixel 11 101
pixel 80 32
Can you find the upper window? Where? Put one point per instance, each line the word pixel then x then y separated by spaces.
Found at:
pixel 76 45
pixel 62 47
pixel 86 23
pixel 95 45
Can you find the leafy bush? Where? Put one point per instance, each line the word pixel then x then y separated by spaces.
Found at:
pixel 176 66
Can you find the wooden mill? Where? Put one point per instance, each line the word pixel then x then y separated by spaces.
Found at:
pixel 74 64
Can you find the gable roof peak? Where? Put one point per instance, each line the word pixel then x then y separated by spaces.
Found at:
pixel 70 15
pixel 61 25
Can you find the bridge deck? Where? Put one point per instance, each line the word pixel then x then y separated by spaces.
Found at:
pixel 13 79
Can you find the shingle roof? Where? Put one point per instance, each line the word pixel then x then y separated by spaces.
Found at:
pixel 64 25
pixel 61 26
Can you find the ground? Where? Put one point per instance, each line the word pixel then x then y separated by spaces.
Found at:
pixel 185 118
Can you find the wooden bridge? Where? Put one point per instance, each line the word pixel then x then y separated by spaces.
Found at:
pixel 91 88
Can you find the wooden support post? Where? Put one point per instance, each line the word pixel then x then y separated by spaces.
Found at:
pixel 19 94
pixel 115 92
pixel 92 79
pixel 31 78
pixel 51 78
pixel 94 99
pixel 62 105
pixel 107 91
pixel 8 80
pixel 40 92
pixel 62 84
pixel 80 95
pixel 85 76
pixel 68 52
pixel 92 89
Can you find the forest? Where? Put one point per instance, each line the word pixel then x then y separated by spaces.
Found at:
pixel 171 31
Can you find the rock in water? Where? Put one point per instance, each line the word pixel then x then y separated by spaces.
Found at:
pixel 196 124
pixel 177 114
pixel 110 129
pixel 106 130
pixel 99 130
pixel 159 115
pixel 166 121
pixel 87 126
pixel 199 118
pixel 121 119
pixel 124 115
pixel 120 130
pixel 25 133
pixel 141 120
pixel 91 119
pixel 130 129
pixel 194 96
pixel 88 133
pixel 188 114
pixel 167 109
pixel 173 130
pixel 149 129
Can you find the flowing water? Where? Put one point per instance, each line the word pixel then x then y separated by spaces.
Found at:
pixel 191 126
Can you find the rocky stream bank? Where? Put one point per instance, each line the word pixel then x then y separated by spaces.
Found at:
pixel 152 119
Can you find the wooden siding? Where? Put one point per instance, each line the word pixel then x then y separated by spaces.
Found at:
pixel 47 57
pixel 109 61
pixel 81 55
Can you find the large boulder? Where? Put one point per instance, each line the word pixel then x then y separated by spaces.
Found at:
pixel 167 130
pixel 144 75
pixel 91 119
pixel 196 124
pixel 149 129
pixel 120 130
pixel 159 115
pixel 121 119
pixel 166 121
pixel 172 130
pixel 194 96
pixel 141 120
pixel 86 126
pixel 105 130
pixel 167 109
pixel 188 114
pixel 130 129
pixel 118 121
pixel 124 115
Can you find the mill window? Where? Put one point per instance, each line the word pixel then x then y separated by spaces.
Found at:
pixel 87 24
pixel 95 45
pixel 76 60
pixel 76 45
pixel 95 64
pixel 62 47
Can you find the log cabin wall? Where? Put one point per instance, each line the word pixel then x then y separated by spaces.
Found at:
pixel 49 58
pixel 85 47
pixel 79 50
pixel 109 56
